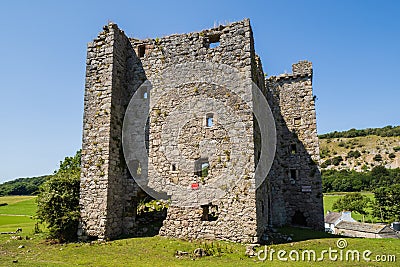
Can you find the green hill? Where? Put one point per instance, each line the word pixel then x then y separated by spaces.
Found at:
pixel 22 186
pixel 361 150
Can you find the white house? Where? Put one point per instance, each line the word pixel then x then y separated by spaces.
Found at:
pixel 333 218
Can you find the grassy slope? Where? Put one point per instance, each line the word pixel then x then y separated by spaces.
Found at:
pixel 369 146
pixel 18 213
pixel 159 251
pixel 18 205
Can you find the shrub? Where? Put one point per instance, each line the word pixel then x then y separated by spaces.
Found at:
pixel 342 144
pixel 353 154
pixel 352 202
pixel 396 148
pixel 336 160
pixel 324 153
pixel 392 155
pixel 377 157
pixel 364 168
pixel 58 200
pixel 326 163
pixel 152 205
pixel 386 203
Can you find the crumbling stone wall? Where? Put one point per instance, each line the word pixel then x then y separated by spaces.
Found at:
pixel 189 74
pixel 107 190
pixel 180 95
pixel 295 179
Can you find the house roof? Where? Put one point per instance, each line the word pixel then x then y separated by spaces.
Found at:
pixel 361 227
pixel 332 217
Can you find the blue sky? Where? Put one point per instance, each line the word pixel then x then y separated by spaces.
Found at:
pixel 354 46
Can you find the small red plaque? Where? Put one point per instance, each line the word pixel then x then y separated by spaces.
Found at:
pixel 195 186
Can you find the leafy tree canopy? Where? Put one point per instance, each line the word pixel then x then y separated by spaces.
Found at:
pixel 383 132
pixel 387 203
pixel 352 202
pixel 58 200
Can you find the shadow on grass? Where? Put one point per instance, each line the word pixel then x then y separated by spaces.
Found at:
pixel 301 234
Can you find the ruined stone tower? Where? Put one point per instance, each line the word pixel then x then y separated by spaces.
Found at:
pixel 231 163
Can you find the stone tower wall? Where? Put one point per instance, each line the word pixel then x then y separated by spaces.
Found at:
pixel 107 190
pixel 236 209
pixel 189 75
pixel 295 179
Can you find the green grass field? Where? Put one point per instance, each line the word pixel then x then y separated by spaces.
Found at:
pixel 34 250
pixel 18 213
pixel 330 198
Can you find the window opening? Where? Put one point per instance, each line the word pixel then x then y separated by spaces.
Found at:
pixel 293 149
pixel 141 50
pixel 209 212
pixel 209 120
pixel 293 174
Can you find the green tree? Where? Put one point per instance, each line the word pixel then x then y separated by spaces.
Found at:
pixel 352 202
pixel 384 132
pixel 58 200
pixel 22 186
pixel 387 203
pixel 377 157
pixel 336 160
pixel 326 163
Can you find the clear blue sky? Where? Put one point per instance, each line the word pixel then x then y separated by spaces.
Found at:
pixel 354 46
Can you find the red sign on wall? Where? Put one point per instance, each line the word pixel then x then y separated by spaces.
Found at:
pixel 195 186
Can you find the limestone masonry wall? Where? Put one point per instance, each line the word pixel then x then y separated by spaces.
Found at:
pixel 295 178
pixel 195 77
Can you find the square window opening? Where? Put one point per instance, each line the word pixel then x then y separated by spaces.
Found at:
pixel 293 174
pixel 201 168
pixel 141 50
pixel 297 121
pixel 214 45
pixel 209 212
pixel 214 38
pixel 213 41
pixel 293 149
pixel 210 120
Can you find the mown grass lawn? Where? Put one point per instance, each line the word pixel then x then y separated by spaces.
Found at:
pixel 34 250
pixel 159 251
pixel 18 213
pixel 18 205
pixel 330 198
